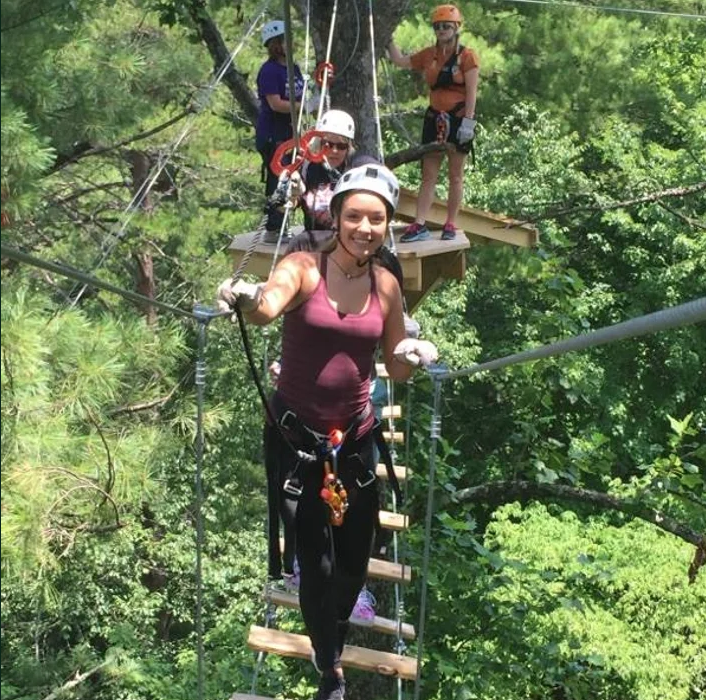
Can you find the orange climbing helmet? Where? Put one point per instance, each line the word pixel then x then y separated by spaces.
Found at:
pixel 446 13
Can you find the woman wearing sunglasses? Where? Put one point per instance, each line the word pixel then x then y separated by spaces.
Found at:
pixel 451 71
pixel 319 179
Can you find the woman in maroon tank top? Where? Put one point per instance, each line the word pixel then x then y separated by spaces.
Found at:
pixel 337 309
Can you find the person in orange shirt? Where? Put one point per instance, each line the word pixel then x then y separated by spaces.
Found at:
pixel 451 71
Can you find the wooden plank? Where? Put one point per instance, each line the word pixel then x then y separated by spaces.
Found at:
pixel 391 412
pixel 381 370
pixel 298 646
pixel 393 521
pixel 401 472
pixel 380 624
pixel 396 437
pixel 382 569
pixel 491 227
pixel 245 696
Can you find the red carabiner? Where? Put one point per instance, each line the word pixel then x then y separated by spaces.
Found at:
pixel 305 152
pixel 321 69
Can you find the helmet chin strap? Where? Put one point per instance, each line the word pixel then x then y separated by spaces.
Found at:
pixel 359 263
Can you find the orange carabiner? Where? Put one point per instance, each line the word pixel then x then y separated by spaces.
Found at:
pixel 324 67
pixel 305 152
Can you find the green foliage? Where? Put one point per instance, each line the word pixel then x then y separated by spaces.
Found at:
pixel 580 116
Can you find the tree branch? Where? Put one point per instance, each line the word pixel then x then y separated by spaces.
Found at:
pixel 408 155
pixel 78 678
pixel 99 150
pixel 211 37
pixel 505 491
pixel 644 199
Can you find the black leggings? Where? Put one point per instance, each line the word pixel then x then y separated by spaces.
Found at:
pixel 333 561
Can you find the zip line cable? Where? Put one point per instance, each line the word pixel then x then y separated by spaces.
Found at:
pixel 606 8
pixel 140 196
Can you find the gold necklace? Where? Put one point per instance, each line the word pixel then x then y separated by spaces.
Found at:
pixel 348 275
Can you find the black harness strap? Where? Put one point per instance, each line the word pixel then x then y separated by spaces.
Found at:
pixel 386 457
pixel 445 77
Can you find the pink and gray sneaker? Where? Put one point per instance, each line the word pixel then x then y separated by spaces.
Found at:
pixel 363 613
pixel 448 232
pixel 415 232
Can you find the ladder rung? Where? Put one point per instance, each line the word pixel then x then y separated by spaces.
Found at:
pixel 393 521
pixel 382 569
pixel 297 645
pixel 380 624
pixel 397 437
pixel 381 370
pixel 246 696
pixel 401 472
pixel 391 412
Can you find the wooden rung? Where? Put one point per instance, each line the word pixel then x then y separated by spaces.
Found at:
pixel 389 571
pixel 397 437
pixel 297 645
pixel 382 569
pixel 391 412
pixel 245 696
pixel 380 624
pixel 393 521
pixel 381 370
pixel 401 472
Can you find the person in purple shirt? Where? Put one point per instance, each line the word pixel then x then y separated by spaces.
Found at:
pixel 274 123
pixel 338 307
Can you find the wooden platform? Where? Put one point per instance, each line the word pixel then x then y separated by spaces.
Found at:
pixel 425 263
pixel 380 624
pixel 298 646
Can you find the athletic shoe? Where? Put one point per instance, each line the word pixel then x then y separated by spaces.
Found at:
pixel 448 233
pixel 270 237
pixel 363 613
pixel 331 687
pixel 415 232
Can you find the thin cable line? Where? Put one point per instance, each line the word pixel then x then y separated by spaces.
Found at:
pixel 88 280
pixel 140 196
pixel 605 8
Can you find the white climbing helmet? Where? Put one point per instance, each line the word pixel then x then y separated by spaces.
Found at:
pixel 374 178
pixel 271 30
pixel 336 121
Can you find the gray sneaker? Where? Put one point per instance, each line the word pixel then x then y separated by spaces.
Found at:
pixel 331 687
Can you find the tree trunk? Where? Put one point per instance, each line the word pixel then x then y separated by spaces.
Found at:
pixel 144 279
pixel 351 56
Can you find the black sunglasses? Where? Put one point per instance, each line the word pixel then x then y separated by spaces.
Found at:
pixel 443 25
pixel 335 145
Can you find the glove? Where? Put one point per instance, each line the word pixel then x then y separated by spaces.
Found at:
pixel 415 352
pixel 246 295
pixel 311 104
pixel 296 186
pixel 466 131
pixel 411 327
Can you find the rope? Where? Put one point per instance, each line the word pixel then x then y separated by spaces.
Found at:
pixel 604 8
pixel 140 196
pixel 376 96
pixel 685 314
pixel 324 83
pixel 88 280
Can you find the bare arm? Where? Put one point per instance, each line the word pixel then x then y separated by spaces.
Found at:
pixel 397 57
pixel 393 331
pixel 283 288
pixel 277 104
pixel 471 79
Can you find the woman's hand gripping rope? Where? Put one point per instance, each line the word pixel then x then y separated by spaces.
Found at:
pixel 414 352
pixel 243 294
